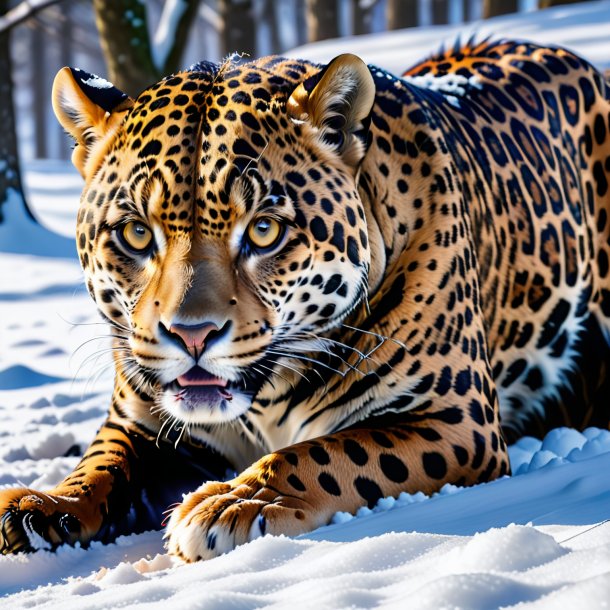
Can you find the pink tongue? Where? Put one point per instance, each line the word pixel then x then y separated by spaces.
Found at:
pixel 197 376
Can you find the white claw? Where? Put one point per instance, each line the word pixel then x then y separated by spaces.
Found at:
pixel 219 541
pixel 258 528
pixel 37 542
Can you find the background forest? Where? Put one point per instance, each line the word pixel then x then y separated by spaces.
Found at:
pixel 135 42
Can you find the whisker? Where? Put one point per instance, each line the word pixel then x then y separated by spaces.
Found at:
pixel 181 432
pixel 262 374
pixel 274 372
pixel 164 422
pixel 111 323
pixel 255 160
pixel 96 338
pixel 97 355
pixel 294 370
pixel 377 335
pixel 312 360
pixel 94 377
pixel 249 434
pixel 310 369
pixel 362 357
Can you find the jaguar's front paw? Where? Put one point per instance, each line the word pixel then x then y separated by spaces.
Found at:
pixel 219 516
pixel 32 520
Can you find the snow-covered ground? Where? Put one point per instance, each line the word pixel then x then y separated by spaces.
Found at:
pixel 540 539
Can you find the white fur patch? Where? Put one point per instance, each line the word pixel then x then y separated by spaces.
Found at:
pixel 453 86
pixel 186 409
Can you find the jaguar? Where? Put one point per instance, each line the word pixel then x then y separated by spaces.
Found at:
pixel 329 284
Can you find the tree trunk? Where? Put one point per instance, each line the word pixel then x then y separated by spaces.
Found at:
pixel 362 16
pixel 239 34
pixel 491 8
pixel 179 37
pixel 440 12
pixel 40 90
pixel 270 18
pixel 10 173
pixel 65 59
pixel 402 14
pixel 301 21
pixel 322 20
pixel 132 61
pixel 549 3
pixel 126 44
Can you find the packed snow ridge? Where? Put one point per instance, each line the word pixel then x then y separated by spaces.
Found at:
pixel 548 566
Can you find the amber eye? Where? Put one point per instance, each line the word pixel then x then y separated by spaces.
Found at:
pixel 136 236
pixel 265 232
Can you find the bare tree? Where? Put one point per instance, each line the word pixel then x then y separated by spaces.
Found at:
pixel 66 34
pixel 362 16
pixel 301 21
pixel 402 14
pixel 133 60
pixel 30 237
pixel 10 172
pixel 491 8
pixel 440 11
pixel 269 16
pixel 549 3
pixel 239 29
pixel 322 20
pixel 10 17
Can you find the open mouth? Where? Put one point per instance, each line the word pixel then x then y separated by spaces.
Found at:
pixel 199 397
pixel 199 386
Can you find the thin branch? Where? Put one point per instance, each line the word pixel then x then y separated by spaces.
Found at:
pixel 172 33
pixel 22 12
pixel 211 17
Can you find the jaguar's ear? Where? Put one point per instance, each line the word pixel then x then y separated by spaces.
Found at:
pixel 338 101
pixel 90 109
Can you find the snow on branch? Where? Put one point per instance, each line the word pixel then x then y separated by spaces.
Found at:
pixel 22 12
pixel 366 5
pixel 211 16
pixel 165 36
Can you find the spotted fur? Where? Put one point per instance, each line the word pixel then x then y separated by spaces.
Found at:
pixel 442 262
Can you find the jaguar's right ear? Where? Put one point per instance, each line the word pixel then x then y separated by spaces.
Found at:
pixel 338 101
pixel 90 109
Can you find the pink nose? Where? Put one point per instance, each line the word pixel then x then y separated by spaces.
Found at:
pixel 193 336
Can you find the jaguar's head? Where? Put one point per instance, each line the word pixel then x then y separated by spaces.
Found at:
pixel 220 228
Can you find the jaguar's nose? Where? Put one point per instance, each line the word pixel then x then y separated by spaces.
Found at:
pixel 196 337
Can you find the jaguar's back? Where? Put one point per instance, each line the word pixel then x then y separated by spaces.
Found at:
pixel 529 131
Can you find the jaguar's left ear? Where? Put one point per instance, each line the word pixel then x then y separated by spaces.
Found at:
pixel 90 109
pixel 338 101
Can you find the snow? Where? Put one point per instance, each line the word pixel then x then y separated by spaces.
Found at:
pixel 97 82
pixel 166 30
pixel 20 235
pixel 539 539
